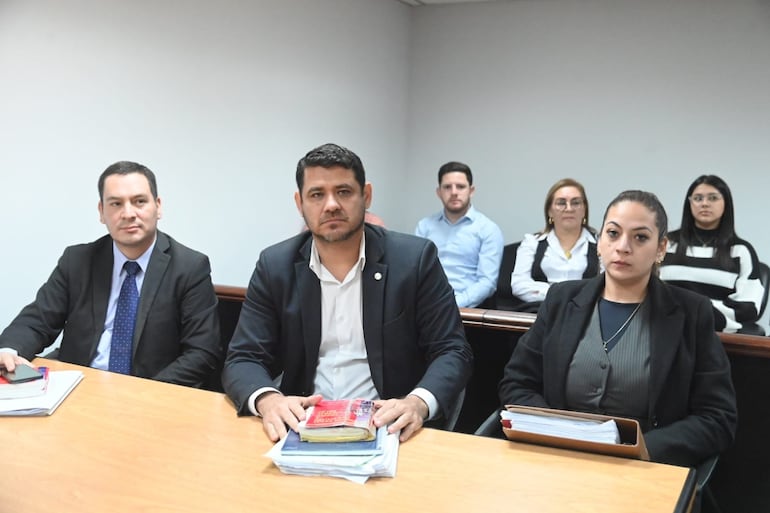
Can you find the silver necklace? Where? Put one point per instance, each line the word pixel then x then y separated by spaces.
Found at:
pixel 605 342
pixel 705 243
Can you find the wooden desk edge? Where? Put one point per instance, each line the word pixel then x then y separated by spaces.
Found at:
pixel 735 343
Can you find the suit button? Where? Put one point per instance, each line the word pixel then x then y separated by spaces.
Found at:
pixel 655 422
pixel 603 365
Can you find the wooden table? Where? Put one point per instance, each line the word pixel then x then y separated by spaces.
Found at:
pixel 119 443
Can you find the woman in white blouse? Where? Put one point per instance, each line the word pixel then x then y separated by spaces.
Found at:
pixel 564 250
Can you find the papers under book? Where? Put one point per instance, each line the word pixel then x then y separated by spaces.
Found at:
pixel 344 420
pixel 60 384
pixel 344 459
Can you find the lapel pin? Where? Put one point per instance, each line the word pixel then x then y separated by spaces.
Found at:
pixel 378 276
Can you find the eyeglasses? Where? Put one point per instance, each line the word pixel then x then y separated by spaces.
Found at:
pixel 708 198
pixel 561 204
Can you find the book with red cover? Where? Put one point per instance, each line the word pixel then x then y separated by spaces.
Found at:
pixel 343 420
pixel 25 389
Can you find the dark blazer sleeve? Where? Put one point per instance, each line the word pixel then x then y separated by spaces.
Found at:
pixel 255 346
pixel 695 415
pixel 39 323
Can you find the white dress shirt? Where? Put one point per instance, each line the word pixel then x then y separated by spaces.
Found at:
pixel 343 369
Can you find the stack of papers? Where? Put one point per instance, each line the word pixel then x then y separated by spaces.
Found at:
pixel 60 384
pixel 574 428
pixel 353 463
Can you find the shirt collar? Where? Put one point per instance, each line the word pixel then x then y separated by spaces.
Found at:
pixel 585 235
pixel 471 215
pixel 315 258
pixel 119 259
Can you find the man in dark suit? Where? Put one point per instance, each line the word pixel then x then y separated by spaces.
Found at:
pixel 175 336
pixel 346 309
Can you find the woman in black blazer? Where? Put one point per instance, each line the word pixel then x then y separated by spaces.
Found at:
pixel 626 344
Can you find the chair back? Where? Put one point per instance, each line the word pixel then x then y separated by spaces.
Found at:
pixel 229 312
pixel 504 298
pixel 454 412
pixel 491 426
pixel 448 422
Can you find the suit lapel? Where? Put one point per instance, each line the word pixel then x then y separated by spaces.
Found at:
pixel 101 279
pixel 576 317
pixel 665 329
pixel 373 279
pixel 309 288
pixel 159 261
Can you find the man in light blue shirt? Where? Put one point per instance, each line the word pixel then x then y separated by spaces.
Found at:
pixel 470 245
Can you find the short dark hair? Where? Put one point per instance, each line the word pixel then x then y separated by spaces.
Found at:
pixel 650 201
pixel 330 155
pixel 725 232
pixel 125 167
pixel 455 167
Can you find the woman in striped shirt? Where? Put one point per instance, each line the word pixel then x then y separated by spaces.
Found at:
pixel 706 256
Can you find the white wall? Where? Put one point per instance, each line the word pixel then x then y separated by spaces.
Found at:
pixel 618 94
pixel 219 98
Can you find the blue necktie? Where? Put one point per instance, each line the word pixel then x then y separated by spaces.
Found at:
pixel 123 325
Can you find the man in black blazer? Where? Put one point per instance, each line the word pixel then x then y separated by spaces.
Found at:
pixel 176 332
pixel 346 309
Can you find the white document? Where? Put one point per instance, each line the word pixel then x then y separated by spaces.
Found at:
pixel 60 384
pixel 575 428
pixel 354 468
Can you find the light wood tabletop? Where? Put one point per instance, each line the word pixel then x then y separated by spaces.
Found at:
pixel 120 443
